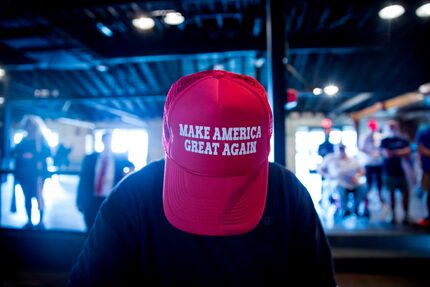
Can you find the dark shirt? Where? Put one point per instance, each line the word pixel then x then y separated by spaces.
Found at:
pixel 325 148
pixel 132 241
pixel 424 139
pixel 30 160
pixel 393 164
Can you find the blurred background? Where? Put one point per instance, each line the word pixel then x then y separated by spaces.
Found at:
pixel 330 67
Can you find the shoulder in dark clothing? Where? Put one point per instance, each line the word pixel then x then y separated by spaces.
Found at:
pixel 143 246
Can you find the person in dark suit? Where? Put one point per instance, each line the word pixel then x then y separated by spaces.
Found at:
pixel 100 172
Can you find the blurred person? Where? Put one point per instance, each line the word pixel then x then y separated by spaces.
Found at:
pixel 347 173
pixel 326 147
pixel 214 211
pixel 395 148
pixel 423 141
pixel 370 147
pixel 61 157
pixel 31 166
pixel 100 171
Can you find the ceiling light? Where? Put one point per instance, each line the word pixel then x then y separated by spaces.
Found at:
pixel 331 90
pixel 101 68
pixel 259 62
pixel 2 73
pixel 173 18
pixel 423 10
pixel 144 23
pixel 391 12
pixel 104 30
pixel 317 91
pixel 424 88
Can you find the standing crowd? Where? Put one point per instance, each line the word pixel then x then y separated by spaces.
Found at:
pixel 386 162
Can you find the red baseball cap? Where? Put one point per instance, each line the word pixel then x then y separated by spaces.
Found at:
pixel 372 124
pixel 217 127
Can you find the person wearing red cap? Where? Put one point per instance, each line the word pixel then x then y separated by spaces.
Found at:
pixel 370 147
pixel 214 211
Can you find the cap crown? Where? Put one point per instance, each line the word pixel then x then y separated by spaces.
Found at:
pixel 217 123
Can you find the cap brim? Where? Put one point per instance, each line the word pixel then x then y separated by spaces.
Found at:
pixel 216 206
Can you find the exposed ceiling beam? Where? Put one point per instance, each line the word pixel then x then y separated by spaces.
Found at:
pixel 390 104
pixel 403 100
pixel 78 97
pixel 352 102
pixel 334 50
pixel 125 116
pixel 125 60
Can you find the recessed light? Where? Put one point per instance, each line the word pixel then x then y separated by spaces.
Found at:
pixel 173 18
pixel 317 91
pixel 104 30
pixel 391 12
pixel 331 90
pixel 144 23
pixel 423 10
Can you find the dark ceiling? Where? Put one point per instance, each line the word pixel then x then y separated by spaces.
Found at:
pixel 58 64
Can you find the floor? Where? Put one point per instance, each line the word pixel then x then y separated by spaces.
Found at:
pixel 56 279
pixel 60 208
pixel 375 280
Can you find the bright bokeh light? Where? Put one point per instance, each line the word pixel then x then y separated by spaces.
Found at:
pixel 317 91
pixel 331 90
pixel 423 10
pixel 2 73
pixel 51 137
pixel 17 137
pixel 144 23
pixel 104 30
pixel 424 88
pixel 307 159
pixel 174 18
pixel 260 62
pixel 133 142
pixel 335 136
pixel 102 68
pixel 391 12
pixel 349 139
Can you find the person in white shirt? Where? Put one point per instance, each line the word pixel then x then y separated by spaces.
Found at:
pixel 347 173
pixel 370 147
